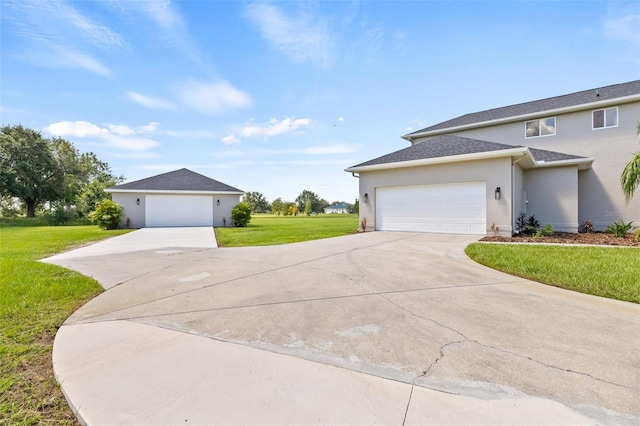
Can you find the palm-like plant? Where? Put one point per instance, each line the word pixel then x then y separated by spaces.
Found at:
pixel 630 178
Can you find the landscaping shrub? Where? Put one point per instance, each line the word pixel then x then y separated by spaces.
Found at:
pixel 588 226
pixel 107 214
pixel 638 234
pixel 547 231
pixel 527 225
pixel 241 215
pixel 619 228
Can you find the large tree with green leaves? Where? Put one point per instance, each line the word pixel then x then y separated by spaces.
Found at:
pixel 38 170
pixel 28 168
pixel 317 203
pixel 630 178
pixel 257 202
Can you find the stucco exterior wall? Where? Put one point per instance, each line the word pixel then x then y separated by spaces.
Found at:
pixel 495 172
pixel 222 212
pixel 552 196
pixel 134 214
pixel 600 197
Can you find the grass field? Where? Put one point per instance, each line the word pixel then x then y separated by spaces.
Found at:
pixel 35 299
pixel 612 272
pixel 266 230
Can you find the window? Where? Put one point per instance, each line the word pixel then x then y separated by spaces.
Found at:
pixel 542 127
pixel 603 118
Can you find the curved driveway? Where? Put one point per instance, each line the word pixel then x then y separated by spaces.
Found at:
pixel 381 327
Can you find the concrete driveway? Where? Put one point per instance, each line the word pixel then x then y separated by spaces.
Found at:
pixel 375 328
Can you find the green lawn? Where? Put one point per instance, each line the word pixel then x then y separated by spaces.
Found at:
pixel 35 299
pixel 612 272
pixel 266 230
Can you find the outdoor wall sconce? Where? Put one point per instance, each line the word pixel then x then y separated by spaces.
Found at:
pixel 366 198
pixel 218 202
pixel 497 193
pixel 138 201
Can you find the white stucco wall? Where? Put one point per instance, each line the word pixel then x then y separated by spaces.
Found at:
pixel 552 196
pixel 495 172
pixel 135 214
pixel 600 197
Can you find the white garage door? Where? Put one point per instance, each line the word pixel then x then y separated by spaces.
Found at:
pixel 178 210
pixel 458 208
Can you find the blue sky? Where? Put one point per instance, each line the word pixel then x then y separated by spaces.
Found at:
pixel 278 97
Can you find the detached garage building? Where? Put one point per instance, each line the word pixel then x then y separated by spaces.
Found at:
pixel 178 198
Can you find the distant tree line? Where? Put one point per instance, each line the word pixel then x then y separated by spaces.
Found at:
pixel 308 203
pixel 39 174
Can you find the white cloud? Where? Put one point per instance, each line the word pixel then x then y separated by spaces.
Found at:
pixel 302 37
pixel 119 136
pixel 230 139
pixel 121 129
pixel 313 150
pixel 273 127
pixel 212 98
pixel 149 128
pixel 340 119
pixel 149 101
pixel 80 129
pixel 626 28
pixel 57 35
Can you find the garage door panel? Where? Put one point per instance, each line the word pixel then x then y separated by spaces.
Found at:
pixel 449 208
pixel 178 210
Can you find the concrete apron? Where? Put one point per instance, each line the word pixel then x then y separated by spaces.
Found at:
pixel 283 334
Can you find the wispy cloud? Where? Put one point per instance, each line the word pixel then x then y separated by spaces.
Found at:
pixel 150 101
pixel 58 35
pixel 213 98
pixel 273 127
pixel 313 150
pixel 116 136
pixel 626 28
pixel 302 37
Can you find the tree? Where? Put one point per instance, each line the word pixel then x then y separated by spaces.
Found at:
pixel 630 178
pixel 256 201
pixel 307 208
pixel 241 215
pixel 317 204
pixel 28 168
pixel 276 206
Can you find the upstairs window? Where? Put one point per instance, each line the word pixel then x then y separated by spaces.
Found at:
pixel 541 127
pixel 603 118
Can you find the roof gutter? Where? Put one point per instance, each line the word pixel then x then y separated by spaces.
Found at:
pixel 564 110
pixel 168 191
pixel 442 160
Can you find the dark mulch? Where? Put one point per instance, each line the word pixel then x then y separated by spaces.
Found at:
pixel 598 238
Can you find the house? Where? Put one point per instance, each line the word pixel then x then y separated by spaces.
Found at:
pixel 559 159
pixel 338 208
pixel 178 198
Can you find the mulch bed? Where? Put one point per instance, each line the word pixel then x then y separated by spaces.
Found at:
pixel 597 238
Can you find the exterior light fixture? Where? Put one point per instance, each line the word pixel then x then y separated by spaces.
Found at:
pixel 497 194
pixel 218 202
pixel 366 198
pixel 138 201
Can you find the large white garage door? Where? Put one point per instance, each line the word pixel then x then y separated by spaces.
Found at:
pixel 178 210
pixel 458 208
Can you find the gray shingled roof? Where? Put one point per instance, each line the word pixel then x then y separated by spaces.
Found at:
pixel 178 180
pixel 451 145
pixel 573 99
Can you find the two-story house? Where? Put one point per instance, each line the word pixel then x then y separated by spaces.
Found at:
pixel 559 159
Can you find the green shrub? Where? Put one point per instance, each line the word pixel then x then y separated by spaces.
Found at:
pixel 241 215
pixel 527 225
pixel 107 214
pixel 638 234
pixel 619 228
pixel 547 231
